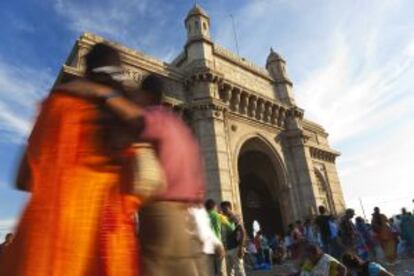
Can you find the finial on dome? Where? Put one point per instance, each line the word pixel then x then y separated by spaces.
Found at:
pixel 197 10
pixel 273 56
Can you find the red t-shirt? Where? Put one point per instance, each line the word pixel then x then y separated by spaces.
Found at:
pixel 179 154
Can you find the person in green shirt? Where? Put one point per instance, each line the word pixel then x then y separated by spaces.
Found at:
pixel 216 262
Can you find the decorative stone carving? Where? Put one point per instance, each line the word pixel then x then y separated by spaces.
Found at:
pixel 252 106
pixel 268 112
pixel 235 100
pixel 260 110
pixel 244 103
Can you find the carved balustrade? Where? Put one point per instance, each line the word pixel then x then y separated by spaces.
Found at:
pixel 249 104
pixel 256 107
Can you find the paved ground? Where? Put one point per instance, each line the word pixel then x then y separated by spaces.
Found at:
pixel 405 267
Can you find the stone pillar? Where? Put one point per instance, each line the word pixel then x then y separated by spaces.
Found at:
pixel 301 167
pixel 209 126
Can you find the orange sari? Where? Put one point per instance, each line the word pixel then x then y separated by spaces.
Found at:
pixel 77 221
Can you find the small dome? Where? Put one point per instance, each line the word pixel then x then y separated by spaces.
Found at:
pixel 273 56
pixel 197 10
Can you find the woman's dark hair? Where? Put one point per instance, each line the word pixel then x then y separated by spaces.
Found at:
pixel 100 55
pixel 225 204
pixel 153 86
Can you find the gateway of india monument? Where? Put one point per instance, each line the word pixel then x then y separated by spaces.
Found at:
pixel 260 153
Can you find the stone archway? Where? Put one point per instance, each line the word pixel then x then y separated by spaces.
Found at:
pixel 261 185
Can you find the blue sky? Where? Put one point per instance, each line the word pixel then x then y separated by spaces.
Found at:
pixel 352 64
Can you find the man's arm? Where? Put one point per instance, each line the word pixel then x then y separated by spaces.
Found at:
pixel 242 238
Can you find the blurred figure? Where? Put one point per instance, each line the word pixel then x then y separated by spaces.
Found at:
pixel 170 244
pixel 323 224
pixel 318 263
pixel 8 240
pixel 217 221
pixel 384 235
pixel 278 247
pixel 297 240
pixel 347 230
pixel 363 268
pixel 251 258
pixel 310 233
pixel 365 234
pixel 288 242
pixel 407 230
pixel 212 246
pixel 263 248
pixel 299 226
pixel 76 222
pixel 234 241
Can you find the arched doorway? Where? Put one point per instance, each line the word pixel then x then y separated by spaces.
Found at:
pixel 260 187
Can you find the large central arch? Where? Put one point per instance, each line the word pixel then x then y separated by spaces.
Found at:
pixel 262 183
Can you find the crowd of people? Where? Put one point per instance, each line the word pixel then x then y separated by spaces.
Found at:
pixel 100 152
pixel 361 247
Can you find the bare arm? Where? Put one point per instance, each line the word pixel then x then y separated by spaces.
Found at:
pixel 340 270
pixel 384 273
pixel 23 175
pixel 120 105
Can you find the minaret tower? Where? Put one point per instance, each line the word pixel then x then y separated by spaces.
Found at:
pixel 197 24
pixel 276 66
pixel 199 45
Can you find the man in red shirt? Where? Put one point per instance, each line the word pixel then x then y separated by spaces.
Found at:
pixel 169 246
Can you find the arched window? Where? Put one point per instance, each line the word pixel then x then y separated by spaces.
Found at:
pixel 322 190
pixel 204 26
pixel 196 24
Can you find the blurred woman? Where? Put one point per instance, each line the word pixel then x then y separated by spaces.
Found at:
pixel 77 221
pixel 384 235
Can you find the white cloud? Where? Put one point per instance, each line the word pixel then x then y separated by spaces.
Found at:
pixel 21 89
pixel 111 18
pixel 410 49
pixel 135 23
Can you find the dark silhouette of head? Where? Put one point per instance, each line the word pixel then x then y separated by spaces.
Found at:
pixel 322 210
pixel 225 207
pixel 352 261
pixel 350 213
pixel 210 204
pixel 9 237
pixel 151 91
pixel 313 252
pixel 359 220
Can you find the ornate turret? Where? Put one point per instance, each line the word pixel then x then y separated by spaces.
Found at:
pixel 197 24
pixel 276 66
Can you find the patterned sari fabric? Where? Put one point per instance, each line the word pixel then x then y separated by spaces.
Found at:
pixel 385 236
pixel 77 222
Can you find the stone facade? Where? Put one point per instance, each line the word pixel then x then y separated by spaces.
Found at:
pixel 259 151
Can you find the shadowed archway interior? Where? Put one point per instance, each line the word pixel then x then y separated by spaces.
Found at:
pixel 259 187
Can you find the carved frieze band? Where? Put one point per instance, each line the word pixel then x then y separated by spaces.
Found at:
pixel 322 155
